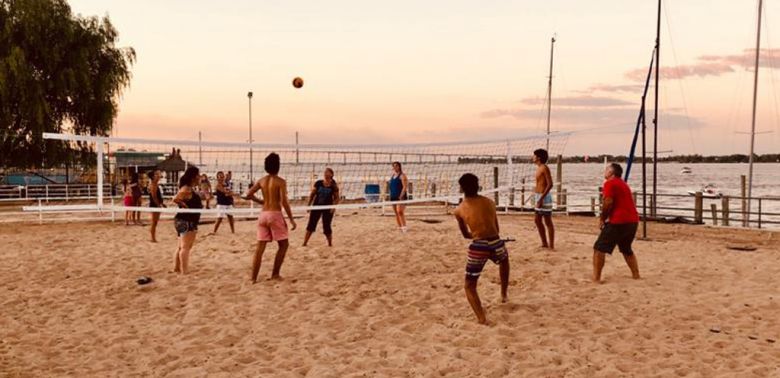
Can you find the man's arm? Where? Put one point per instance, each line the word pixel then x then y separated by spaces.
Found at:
pixel 250 194
pixel 605 210
pixel 464 229
pixel 548 181
pixel 286 204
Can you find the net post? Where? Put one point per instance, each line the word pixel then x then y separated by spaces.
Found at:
pixel 745 215
pixel 559 178
pixel 698 208
pixel 99 175
pixel 725 210
pixel 113 211
pixel 40 212
pixel 511 169
pixel 495 184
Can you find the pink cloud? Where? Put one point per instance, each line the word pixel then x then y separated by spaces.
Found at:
pixel 577 101
pixel 711 65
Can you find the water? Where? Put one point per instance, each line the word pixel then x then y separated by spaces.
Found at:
pixel 583 180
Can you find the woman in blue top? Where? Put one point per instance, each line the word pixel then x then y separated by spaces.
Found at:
pixel 398 184
pixel 325 192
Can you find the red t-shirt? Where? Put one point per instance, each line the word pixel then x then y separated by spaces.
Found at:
pixel 623 207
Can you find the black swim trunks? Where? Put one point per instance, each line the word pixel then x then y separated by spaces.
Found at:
pixel 620 235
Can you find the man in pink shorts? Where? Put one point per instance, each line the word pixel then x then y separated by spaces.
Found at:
pixel 270 224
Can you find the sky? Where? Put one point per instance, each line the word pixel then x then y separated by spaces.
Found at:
pixel 411 71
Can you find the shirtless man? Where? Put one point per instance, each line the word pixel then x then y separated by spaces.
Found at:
pixel 270 224
pixel 543 199
pixel 477 220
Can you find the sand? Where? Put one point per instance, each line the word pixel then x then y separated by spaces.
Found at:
pixel 382 303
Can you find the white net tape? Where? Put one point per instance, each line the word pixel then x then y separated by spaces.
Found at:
pixel 361 171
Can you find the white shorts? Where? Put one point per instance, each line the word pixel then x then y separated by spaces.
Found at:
pixel 223 210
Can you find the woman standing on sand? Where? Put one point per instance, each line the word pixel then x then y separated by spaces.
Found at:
pixel 324 193
pixel 186 223
pixel 205 190
pixel 398 189
pixel 155 200
pixel 127 200
pixel 135 188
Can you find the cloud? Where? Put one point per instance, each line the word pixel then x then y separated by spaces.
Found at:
pixel 597 119
pixel 613 88
pixel 579 101
pixel 711 65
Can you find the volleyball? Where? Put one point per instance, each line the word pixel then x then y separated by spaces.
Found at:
pixel 297 82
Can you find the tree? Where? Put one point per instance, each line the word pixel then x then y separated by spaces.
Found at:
pixel 58 72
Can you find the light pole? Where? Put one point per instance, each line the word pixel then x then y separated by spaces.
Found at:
pixel 251 171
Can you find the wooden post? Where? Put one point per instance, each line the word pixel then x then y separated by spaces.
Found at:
pixel 698 209
pixel 759 213
pixel 433 189
pixel 565 194
pixel 726 215
pixel 635 196
pixel 744 201
pixel 559 178
pixel 495 183
pixel 593 204
pixel 714 214
pixel 652 207
pixel 522 192
pixel 512 196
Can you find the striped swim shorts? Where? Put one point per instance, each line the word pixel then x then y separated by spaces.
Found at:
pixel 480 251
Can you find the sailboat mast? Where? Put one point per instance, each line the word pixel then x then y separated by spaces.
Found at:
pixel 549 91
pixel 655 110
pixel 753 123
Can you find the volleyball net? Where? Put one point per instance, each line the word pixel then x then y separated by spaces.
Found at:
pixel 361 171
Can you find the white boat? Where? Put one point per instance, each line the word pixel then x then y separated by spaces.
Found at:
pixel 686 171
pixel 707 191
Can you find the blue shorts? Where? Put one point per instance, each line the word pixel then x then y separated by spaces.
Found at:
pixel 547 204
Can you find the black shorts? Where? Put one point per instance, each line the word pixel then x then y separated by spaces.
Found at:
pixel 620 235
pixel 184 226
pixel 398 198
pixel 327 220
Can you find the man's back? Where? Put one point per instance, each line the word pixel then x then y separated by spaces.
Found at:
pixel 479 214
pixel 274 190
pixel 624 209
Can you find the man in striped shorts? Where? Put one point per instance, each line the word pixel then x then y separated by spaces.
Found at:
pixel 477 220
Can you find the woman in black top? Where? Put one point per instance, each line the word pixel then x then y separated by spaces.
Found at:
pixel 155 200
pixel 186 223
pixel 325 192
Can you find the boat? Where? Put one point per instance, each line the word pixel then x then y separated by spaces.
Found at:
pixel 686 171
pixel 707 191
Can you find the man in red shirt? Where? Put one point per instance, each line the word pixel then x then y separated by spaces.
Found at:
pixel 618 223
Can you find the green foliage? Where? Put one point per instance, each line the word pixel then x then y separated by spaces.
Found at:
pixel 58 72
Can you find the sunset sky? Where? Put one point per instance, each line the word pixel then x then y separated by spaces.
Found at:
pixel 410 71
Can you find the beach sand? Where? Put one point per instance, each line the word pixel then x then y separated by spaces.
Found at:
pixel 382 303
